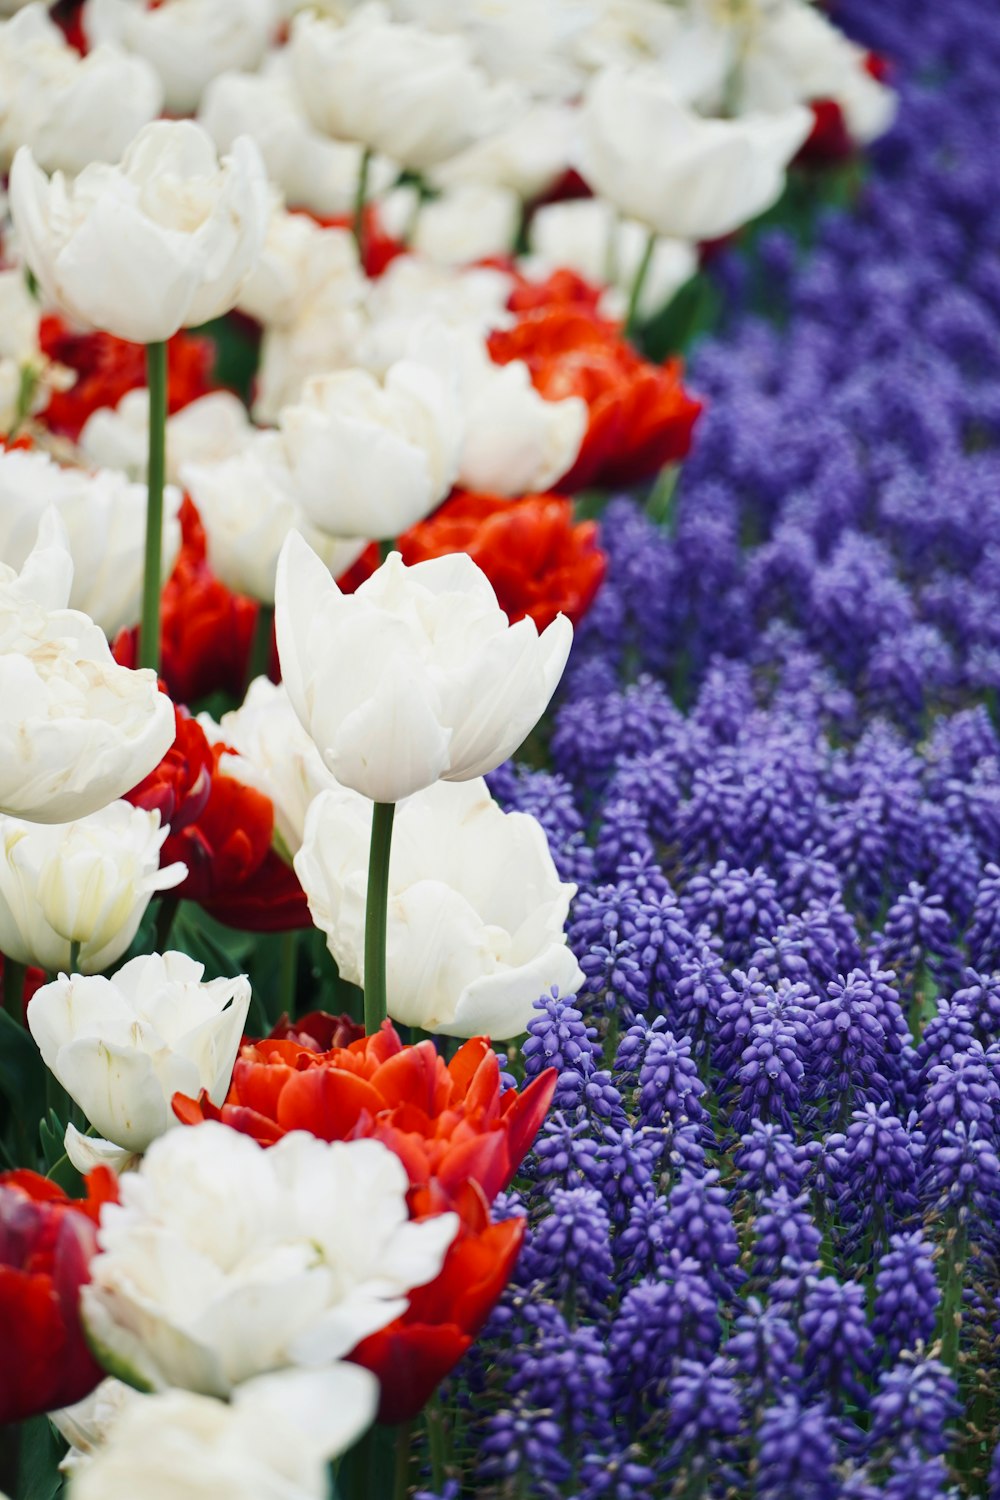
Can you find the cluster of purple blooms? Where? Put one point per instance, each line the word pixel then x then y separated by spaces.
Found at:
pixel 763 1256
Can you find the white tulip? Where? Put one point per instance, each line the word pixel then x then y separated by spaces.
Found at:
pixel 76 729
pixel 56 102
pixel 680 175
pixel 629 31
pixel 273 1441
pixel 226 1260
pixel 528 156
pixel 188 42
pixel 414 678
pixel 476 908
pixel 299 256
pixel 467 223
pixel 122 1047
pixel 163 241
pixel 412 292
pixel 520 40
pixel 311 170
pixel 417 97
pixel 274 754
pixel 208 430
pixel 587 235
pixel 247 505
pixel 105 521
pixel 370 459
pixel 516 441
pixel 87 883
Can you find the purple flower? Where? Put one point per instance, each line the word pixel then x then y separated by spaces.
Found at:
pixel 838 1342
pixel 906 1295
pixel 913 1405
pixel 660 1322
pixel 796 1453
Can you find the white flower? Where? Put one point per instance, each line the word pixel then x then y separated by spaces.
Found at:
pixel 299 257
pixel 247 505
pixel 312 171
pixel 370 459
pixel 87 882
pixel 415 96
pixel 528 156
pixel 273 1441
pixel 516 441
pixel 57 102
pixel 416 677
pixel 629 31
pixel 412 292
pixel 466 223
pixel 476 908
pixel 188 42
pixel 76 729
pixel 587 235
pixel 207 430
pixel 161 242
pixel 226 1260
pixel 520 40
pixel 105 523
pixel 122 1047
pixel 274 754
pixel 680 175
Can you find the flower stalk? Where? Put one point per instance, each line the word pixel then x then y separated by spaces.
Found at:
pixel 632 315
pixel 360 199
pixel 149 630
pixel 376 915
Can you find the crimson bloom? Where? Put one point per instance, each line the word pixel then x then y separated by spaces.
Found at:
pixel 221 829
pixel 106 367
pixel 47 1241
pixel 641 417
pixel 537 560
pixel 459 1137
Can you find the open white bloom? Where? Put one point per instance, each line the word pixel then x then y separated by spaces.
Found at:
pixel 87 882
pixel 414 678
pixel 416 96
pixel 528 155
pixel 188 42
pixel 530 44
pixel 104 516
pixel 412 292
pixel 56 102
pixel 679 174
pixel 273 1441
pixel 515 441
pixel 122 1047
pixel 76 729
pixel 207 430
pixel 298 257
pixel 274 754
pixel 470 222
pixel 163 241
pixel 476 907
pixel 369 459
pixel 311 170
pixel 628 31
pixel 226 1260
pixel 588 235
pixel 247 505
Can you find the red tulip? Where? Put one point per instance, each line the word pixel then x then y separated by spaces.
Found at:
pixel 106 367
pixel 641 417
pixel 563 288
pixel 46 1244
pixel 538 562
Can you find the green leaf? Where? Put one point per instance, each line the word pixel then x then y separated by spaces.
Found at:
pixel 22 1072
pixel 38 1469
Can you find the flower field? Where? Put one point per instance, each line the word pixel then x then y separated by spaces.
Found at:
pixel 500 750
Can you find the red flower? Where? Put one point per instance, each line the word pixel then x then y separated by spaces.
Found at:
pixel 829 140
pixel 106 367
pixel 221 828
pixel 563 288
pixel 46 1244
pixel 536 559
pixel 641 417
pixel 460 1139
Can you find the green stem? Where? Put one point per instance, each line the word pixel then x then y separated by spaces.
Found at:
pixel 631 317
pixel 149 630
pixel 260 646
pixel 288 961
pixel 435 1443
pixel 956 1251
pixel 13 989
pixel 401 1472
pixel 74 957
pixel 360 199
pixel 169 902
pixel 376 914
pixel 385 546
